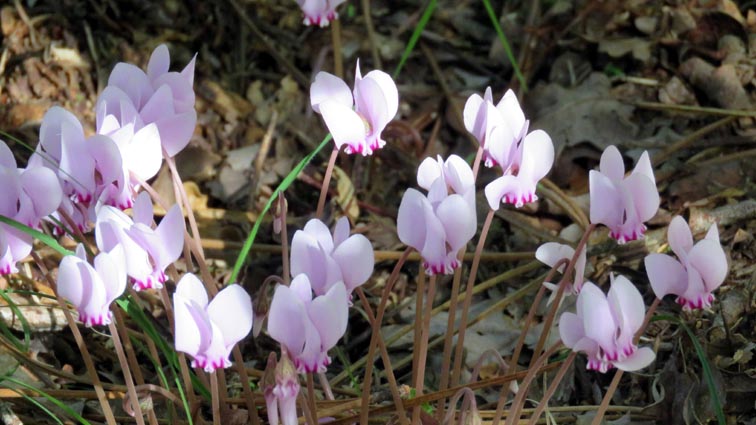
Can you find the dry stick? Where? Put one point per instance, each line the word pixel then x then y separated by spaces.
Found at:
pixel 690 139
pixel 311 398
pixel 371 34
pixel 308 414
pixel 376 339
pixel 519 400
pixel 248 396
pixel 88 363
pixel 326 182
pixel 694 109
pixel 618 375
pixel 565 202
pixel 562 285
pixel 338 60
pixel 138 415
pixel 418 332
pixel 552 388
pixel 326 386
pixel 423 348
pixel 215 393
pixel 131 357
pixel 456 371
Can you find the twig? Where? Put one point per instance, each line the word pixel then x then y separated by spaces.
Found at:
pixel 371 34
pixel 423 348
pixel 338 60
pixel 654 106
pixel 326 181
pixel 552 388
pixel 690 139
pixel 133 397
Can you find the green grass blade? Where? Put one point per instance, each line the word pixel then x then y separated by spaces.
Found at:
pixel 36 234
pixel 505 44
pixel 705 366
pixel 24 323
pixel 285 183
pixel 416 35
pixel 50 398
pixel 41 406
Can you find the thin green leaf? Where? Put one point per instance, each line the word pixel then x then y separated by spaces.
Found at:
pixel 41 406
pixel 52 399
pixel 416 35
pixel 36 234
pixel 20 315
pixel 505 44
pixel 285 183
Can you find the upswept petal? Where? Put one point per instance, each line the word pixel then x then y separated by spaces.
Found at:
pixel 143 156
pixel 537 156
pixel 666 275
pixel 286 319
pixel 182 92
pixel 111 266
pixel 107 158
pixel 356 260
pixel 644 167
pixel 233 327
pixel 345 125
pixel 433 250
pixel 328 87
pixel 570 329
pixel 597 316
pixel 190 288
pixel 428 171
pixel 42 187
pixel 645 196
pixel 641 358
pixel 497 189
pixel 551 253
pixel 6 156
pixel 51 131
pixel 170 234
pixel 679 237
pixel 501 147
pixel 133 81
pixel 371 103
pixel 192 329
pixel 318 230
pixel 611 164
pixel 307 257
pixel 459 222
pixel 410 223
pixel 143 210
pixel 509 108
pixel 474 116
pixel 709 259
pixel 188 72
pixel 388 90
pixel 176 131
pixel 341 231
pixel 160 62
pixel 329 313
pixel 605 199
pixel 627 307
pixel 69 281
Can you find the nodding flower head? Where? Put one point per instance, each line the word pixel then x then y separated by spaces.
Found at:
pixel 622 203
pixel 319 12
pixel 208 331
pixel 605 325
pixel 498 128
pixel 698 270
pixel 356 118
pixel 551 253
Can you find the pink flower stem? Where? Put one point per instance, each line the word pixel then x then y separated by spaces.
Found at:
pixel 131 390
pixel 338 61
pixel 552 388
pixel 514 414
pixel 326 182
pixel 376 339
pixel 618 375
pixel 88 363
pixel 549 320
pixel 423 348
pixel 418 331
pixel 325 385
pixel 246 390
pixel 311 398
pixel 476 162
pixel 284 239
pixel 215 393
pixel 457 370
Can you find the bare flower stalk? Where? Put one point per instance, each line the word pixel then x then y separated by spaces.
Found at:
pixel 284 239
pixel 215 392
pixel 449 337
pixel 338 60
pixel 618 375
pixel 88 363
pixel 552 388
pixel 311 398
pixel 457 370
pixel 514 414
pixel 326 182
pixel 133 397
pixel 418 331
pixel 423 348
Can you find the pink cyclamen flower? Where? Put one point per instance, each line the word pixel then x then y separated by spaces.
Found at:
pixel 454 171
pixel 86 166
pixel 330 259
pixel 148 251
pixel 92 289
pixel 440 224
pixel 528 162
pixel 319 12
pixel 622 203
pixel 551 253
pixel 15 245
pixel 308 327
pixel 159 96
pixel 208 331
pixel 498 128
pixel 28 194
pixel 356 119
pixel 698 271
pixel 605 325
pixel 281 390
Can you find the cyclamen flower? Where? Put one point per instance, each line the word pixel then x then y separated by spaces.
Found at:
pixel 330 259
pixel 319 12
pixel 28 194
pixel 15 245
pixel 92 289
pixel 308 327
pixel 440 224
pixel 356 119
pixel 208 331
pixel 527 162
pixel 551 253
pixel 605 325
pixel 622 203
pixel 158 96
pixel 281 387
pixel 454 171
pixel 498 128
pixel 148 251
pixel 86 166
pixel 699 270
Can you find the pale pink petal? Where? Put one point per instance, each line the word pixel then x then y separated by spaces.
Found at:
pixel 499 188
pixel 645 196
pixel 308 257
pixel 459 221
pixel 329 314
pixel 474 116
pixel 551 253
pixel 133 81
pixel 387 88
pixel 181 89
pixel 107 157
pixel 192 328
pixel 509 108
pixel 644 167
pixel 410 224
pixel 51 131
pixel 191 288
pixel 458 174
pixel 641 358
pixel 537 156
pixel 159 105
pixel 43 188
pixel 428 171
pixel 69 284
pixel 341 231
pixel 501 147
pixel 301 287
pixel 231 311
pixel 356 260
pixel 713 233
pixel 170 235
pixel 570 329
pixel 666 275
pixel 372 104
pixel 176 131
pixel 188 72
pixel 160 62
pixel 142 210
pixel 597 316
pixel 286 320
pixel 318 230
pixel 709 259
pixel 6 156
pixel 143 156
pixel 627 307
pixel 328 87
pixel 111 266
pixel 434 251
pixel 345 125
pixel 611 164
pixel 679 237
pixel 606 203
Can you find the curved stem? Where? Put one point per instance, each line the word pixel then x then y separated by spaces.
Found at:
pixel 456 371
pixel 552 388
pixel 214 392
pixel 284 239
pixel 423 348
pixel 514 415
pixel 133 397
pixel 326 182
pixel 449 337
